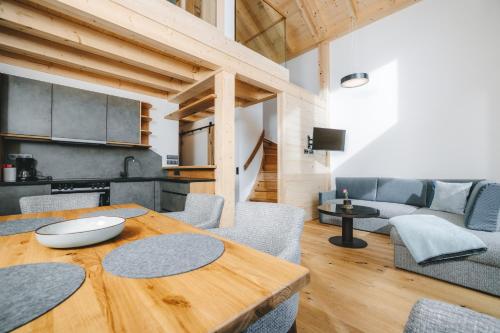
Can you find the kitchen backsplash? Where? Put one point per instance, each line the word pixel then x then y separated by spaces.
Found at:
pixel 78 161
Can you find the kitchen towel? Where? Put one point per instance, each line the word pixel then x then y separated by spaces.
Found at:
pixel 25 225
pixel 163 255
pixel 29 291
pixel 126 213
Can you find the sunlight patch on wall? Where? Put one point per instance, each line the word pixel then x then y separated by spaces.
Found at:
pixel 366 112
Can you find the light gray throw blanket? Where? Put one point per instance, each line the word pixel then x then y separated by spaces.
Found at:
pixel 430 238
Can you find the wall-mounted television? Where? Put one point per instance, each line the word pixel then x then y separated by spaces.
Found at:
pixel 328 139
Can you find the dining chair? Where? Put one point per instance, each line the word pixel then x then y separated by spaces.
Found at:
pixel 434 316
pixel 47 203
pixel 201 210
pixel 275 229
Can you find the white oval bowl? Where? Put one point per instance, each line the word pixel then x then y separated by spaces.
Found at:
pixel 80 232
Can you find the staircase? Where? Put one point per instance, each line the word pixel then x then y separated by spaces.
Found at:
pixel 266 186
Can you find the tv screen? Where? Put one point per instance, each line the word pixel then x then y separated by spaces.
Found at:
pixel 328 139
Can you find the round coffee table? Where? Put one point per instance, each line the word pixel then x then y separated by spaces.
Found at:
pixel 347 240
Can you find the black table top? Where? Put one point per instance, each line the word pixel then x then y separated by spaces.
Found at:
pixel 355 212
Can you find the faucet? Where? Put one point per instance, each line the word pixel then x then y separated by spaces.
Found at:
pixel 124 173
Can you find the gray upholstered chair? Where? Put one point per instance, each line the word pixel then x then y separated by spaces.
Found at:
pixel 47 203
pixel 433 316
pixel 201 210
pixel 275 229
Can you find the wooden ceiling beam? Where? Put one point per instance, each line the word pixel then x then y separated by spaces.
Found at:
pixel 30 20
pixel 198 106
pixel 163 26
pixel 77 74
pixel 251 93
pixel 16 42
pixel 353 9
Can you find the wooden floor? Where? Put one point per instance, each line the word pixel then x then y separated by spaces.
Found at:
pixel 360 290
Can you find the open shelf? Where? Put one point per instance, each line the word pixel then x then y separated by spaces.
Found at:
pixel 145 120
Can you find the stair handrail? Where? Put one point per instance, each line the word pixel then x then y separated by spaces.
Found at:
pixel 254 151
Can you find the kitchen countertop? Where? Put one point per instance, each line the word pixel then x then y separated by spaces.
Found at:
pixel 114 180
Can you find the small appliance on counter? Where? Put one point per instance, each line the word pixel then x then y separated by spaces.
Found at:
pixel 26 169
pixel 9 173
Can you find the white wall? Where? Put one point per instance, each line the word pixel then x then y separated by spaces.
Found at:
pixel 304 70
pixel 431 107
pixel 229 12
pixel 248 130
pixel 270 119
pixel 164 139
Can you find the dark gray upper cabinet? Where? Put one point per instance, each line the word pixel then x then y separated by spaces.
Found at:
pixel 124 120
pixel 10 195
pixel 26 106
pixel 78 115
pixel 141 193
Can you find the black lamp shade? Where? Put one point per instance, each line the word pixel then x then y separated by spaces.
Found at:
pixel 354 80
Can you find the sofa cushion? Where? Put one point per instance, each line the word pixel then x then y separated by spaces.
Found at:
pixel 483 213
pixel 430 188
pixel 387 209
pixel 359 187
pixel 450 217
pixel 403 191
pixel 492 240
pixel 450 197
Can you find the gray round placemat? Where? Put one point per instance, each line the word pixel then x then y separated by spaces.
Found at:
pixel 163 255
pixel 25 225
pixel 125 213
pixel 29 291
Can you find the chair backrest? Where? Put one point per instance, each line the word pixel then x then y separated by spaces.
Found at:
pixel 204 206
pixel 284 223
pixel 47 203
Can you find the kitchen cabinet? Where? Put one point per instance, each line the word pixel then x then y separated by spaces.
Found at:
pixel 173 196
pixel 25 106
pixel 78 115
pixel 10 195
pixel 123 120
pixel 141 193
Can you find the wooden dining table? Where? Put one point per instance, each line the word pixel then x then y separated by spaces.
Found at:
pixel 224 296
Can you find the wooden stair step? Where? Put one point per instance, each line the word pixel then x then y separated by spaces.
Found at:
pixel 268 175
pixel 265 195
pixel 270 167
pixel 264 200
pixel 266 185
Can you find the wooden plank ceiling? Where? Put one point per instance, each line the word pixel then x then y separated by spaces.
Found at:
pixel 34 35
pixel 308 22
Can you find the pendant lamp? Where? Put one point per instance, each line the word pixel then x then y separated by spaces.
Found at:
pixel 354 80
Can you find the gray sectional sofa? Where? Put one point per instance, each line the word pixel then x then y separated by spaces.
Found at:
pixel 394 197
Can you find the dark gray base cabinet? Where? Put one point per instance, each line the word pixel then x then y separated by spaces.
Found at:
pixel 10 195
pixel 173 196
pixel 141 193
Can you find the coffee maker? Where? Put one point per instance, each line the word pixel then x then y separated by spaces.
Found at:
pixel 25 169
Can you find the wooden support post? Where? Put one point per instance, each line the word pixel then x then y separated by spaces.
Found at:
pixel 224 153
pixel 280 116
pixel 324 70
pixel 324 87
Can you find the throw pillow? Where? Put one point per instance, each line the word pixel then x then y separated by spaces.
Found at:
pixel 484 214
pixel 450 197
